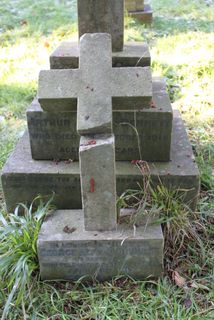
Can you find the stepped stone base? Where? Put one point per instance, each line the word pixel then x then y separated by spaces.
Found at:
pixel 57 131
pixel 66 56
pixel 66 251
pixel 24 178
pixel 143 16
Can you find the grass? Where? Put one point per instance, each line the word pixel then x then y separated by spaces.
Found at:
pixel 181 41
pixel 18 250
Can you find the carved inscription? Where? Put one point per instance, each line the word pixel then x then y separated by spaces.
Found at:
pixel 152 130
pixel 56 123
pixel 53 183
pixel 55 136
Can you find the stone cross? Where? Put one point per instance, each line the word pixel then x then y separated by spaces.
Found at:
pixel 104 16
pixel 96 85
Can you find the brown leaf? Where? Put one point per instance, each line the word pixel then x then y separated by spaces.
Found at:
pixel 23 23
pixel 46 44
pixel 152 104
pixel 67 229
pixel 179 281
pixel 187 303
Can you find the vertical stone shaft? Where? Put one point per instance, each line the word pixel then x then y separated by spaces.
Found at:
pixel 105 16
pixel 98 182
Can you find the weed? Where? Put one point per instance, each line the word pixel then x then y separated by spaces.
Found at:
pixel 18 250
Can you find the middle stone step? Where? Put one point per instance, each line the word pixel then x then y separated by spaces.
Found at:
pixel 144 134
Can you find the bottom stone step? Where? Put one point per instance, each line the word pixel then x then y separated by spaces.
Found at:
pixel 66 251
pixel 24 178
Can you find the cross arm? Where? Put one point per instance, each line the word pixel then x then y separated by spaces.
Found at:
pixel 131 88
pixel 58 89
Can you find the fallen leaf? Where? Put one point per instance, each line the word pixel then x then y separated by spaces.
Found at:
pixel 67 229
pixel 187 303
pixel 23 23
pixel 152 104
pixel 179 281
pixel 46 44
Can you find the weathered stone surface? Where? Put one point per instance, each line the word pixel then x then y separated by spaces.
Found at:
pixel 66 56
pixel 94 112
pixel 98 182
pixel 134 5
pixel 144 16
pixel 23 178
pixel 97 86
pixel 57 131
pixel 100 255
pixel 102 16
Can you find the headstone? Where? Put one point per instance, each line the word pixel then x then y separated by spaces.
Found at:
pixel 102 16
pixel 140 11
pixel 92 242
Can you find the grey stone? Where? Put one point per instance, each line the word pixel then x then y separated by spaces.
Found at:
pixel 95 84
pixel 144 16
pixel 102 16
pixel 66 56
pixel 24 178
pixel 57 131
pixel 98 255
pixel 94 112
pixel 134 5
pixel 98 182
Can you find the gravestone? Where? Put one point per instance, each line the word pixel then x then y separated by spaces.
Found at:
pixel 121 113
pixel 139 10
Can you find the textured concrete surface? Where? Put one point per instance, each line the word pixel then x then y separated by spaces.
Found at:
pixel 23 178
pixel 144 16
pixel 67 251
pixel 57 131
pixel 98 182
pixel 66 56
pixel 95 84
pixel 94 112
pixel 134 5
pixel 98 16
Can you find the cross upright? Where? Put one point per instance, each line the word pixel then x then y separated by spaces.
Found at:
pixel 96 85
pixel 103 16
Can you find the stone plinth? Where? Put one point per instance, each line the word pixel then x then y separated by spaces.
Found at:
pixel 23 178
pixel 98 182
pixel 66 251
pixel 57 131
pixel 102 16
pixel 66 56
